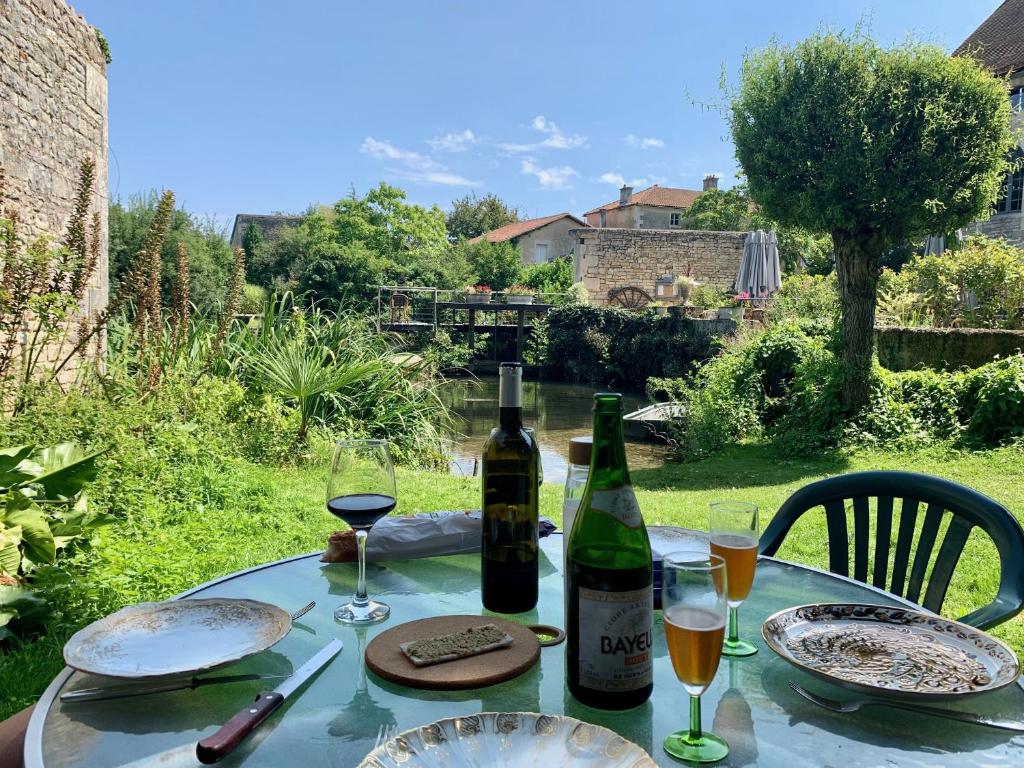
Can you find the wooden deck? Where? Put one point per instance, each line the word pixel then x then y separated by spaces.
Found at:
pixel 422 311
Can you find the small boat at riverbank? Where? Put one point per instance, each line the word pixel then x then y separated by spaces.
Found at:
pixel 651 423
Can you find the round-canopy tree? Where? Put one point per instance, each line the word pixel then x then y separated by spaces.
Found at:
pixel 873 146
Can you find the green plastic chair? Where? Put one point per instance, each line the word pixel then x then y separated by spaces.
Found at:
pixel 968 509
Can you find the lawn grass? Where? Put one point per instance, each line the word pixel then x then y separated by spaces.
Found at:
pixel 275 512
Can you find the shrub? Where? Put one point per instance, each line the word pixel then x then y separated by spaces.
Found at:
pixel 253 299
pixel 706 297
pixel 812 301
pixel 981 285
pixel 722 406
pixel 498 265
pixel 552 277
pixel 445 353
pixel 613 347
pixel 577 294
pixel 739 393
pixel 785 384
pixel 993 400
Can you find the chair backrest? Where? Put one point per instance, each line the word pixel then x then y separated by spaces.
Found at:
pixel 965 508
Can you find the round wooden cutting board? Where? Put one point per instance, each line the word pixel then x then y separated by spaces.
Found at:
pixel 385 659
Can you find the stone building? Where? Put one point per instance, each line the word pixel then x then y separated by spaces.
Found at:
pixel 999 45
pixel 53 115
pixel 271 225
pixel 652 208
pixel 626 266
pixel 538 240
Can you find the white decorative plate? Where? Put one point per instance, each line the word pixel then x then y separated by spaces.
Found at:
pixel 883 650
pixel 508 740
pixel 176 637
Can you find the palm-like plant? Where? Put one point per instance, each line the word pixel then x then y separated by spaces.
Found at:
pixel 305 374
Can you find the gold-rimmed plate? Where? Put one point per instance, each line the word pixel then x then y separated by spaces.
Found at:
pixel 176 637
pixel 890 652
pixel 508 740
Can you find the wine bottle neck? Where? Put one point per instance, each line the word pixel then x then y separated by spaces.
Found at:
pixel 510 419
pixel 608 466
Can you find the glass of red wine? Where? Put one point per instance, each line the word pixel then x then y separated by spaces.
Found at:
pixel 360 491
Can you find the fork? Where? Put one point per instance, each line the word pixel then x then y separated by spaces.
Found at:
pixel 304 610
pixel 846 707
pixel 385 734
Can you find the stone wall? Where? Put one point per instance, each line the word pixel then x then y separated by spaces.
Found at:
pixel 1007 225
pixel 607 258
pixel 902 349
pixel 53 114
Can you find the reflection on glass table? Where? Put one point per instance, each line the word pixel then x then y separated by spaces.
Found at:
pixel 334 721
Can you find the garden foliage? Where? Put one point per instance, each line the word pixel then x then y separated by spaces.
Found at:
pixel 878 146
pixel 979 285
pixel 784 385
pixel 44 513
pixel 209 252
pixel 617 348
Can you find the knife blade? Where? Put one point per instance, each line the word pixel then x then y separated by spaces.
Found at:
pixel 233 732
pixel 142 689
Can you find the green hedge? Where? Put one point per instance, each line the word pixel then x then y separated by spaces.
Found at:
pixel 784 385
pixel 620 349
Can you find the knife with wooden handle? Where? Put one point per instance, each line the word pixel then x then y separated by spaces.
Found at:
pixel 233 732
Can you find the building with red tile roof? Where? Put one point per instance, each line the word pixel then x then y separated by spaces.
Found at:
pixel 538 240
pixel 656 207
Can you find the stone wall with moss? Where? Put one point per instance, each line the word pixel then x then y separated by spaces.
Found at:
pixel 53 114
pixel 902 349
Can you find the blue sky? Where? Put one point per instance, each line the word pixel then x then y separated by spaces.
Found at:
pixel 262 105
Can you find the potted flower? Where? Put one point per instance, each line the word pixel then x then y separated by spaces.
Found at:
pixel 658 307
pixel 519 294
pixel 735 311
pixel 477 294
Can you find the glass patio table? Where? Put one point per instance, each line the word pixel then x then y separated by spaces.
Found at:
pixel 334 721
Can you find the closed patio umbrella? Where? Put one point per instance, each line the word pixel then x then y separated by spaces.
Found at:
pixel 760 272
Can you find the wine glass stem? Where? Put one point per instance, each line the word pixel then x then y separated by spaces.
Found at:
pixel 360 596
pixel 734 624
pixel 695 729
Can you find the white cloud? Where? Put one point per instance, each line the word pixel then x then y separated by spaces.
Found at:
pixel 556 138
pixel 453 142
pixel 417 167
pixel 438 177
pixel 385 150
pixel 611 177
pixel 559 177
pixel 644 143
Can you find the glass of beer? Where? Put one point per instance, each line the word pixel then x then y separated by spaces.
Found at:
pixel 694 599
pixel 734 539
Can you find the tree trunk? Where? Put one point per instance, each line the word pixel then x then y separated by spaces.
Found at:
pixel 857 255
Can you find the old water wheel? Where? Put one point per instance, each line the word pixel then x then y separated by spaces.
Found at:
pixel 629 297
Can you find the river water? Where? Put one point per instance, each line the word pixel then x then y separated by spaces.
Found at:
pixel 556 412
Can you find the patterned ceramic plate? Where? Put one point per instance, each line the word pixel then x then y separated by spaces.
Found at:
pixel 889 651
pixel 508 740
pixel 176 637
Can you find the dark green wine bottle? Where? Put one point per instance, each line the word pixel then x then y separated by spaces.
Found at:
pixel 510 474
pixel 609 658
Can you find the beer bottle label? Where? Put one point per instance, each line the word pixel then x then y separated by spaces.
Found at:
pixel 620 503
pixel 615 639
